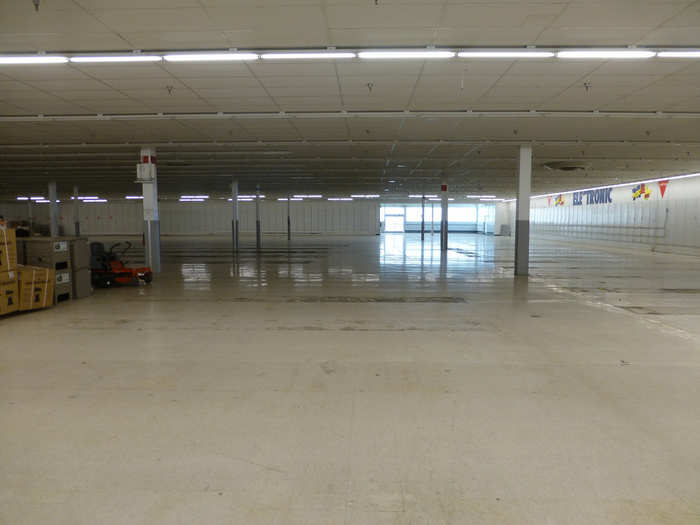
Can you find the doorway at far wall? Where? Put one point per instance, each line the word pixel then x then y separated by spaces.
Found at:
pixel 394 219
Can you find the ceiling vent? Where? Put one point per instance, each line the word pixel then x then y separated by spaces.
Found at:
pixel 566 165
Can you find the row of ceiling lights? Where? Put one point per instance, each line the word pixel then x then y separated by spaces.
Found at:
pixel 251 198
pixel 389 54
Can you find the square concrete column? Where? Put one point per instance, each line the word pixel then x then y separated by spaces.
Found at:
pixel 147 175
pixel 522 211
pixel 443 219
pixel 258 224
pixel 289 217
pixel 235 229
pixel 76 212
pixel 422 218
pixel 53 210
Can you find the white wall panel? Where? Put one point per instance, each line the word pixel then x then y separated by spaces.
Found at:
pixel 669 220
pixel 212 217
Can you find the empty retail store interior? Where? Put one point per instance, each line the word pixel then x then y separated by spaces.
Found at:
pixel 407 262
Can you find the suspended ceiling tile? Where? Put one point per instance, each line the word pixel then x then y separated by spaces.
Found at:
pixel 121 71
pixel 243 105
pixel 382 16
pixel 301 103
pixel 154 20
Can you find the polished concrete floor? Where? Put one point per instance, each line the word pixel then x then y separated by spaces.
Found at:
pixel 361 380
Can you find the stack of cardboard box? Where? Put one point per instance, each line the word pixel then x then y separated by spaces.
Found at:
pixel 9 295
pixel 80 266
pixel 22 287
pixel 52 253
pixel 36 287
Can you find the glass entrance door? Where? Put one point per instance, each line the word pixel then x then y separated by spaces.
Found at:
pixel 394 223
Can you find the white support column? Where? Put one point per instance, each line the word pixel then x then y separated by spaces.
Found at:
pixel 147 175
pixel 30 215
pixel 432 218
pixel 76 211
pixel 235 228
pixel 422 218
pixel 522 211
pixel 289 217
pixel 443 218
pixel 258 225
pixel 53 210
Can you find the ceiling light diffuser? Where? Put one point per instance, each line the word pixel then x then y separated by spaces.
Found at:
pixel 690 53
pixel 603 54
pixel 210 57
pixel 115 58
pixel 32 59
pixel 307 56
pixel 424 54
pixel 506 53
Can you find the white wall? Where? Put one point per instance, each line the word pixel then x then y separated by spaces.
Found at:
pixel 666 221
pixel 126 217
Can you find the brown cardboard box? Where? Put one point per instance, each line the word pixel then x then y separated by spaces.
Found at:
pixel 9 293
pixel 82 283
pixel 79 253
pixel 36 287
pixel 47 252
pixel 8 250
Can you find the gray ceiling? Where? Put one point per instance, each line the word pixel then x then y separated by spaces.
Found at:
pixel 283 123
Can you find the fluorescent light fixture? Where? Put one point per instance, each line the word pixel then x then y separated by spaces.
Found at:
pixel 210 57
pixel 369 196
pixel 688 53
pixel 604 54
pixel 96 200
pixel 42 201
pixel 295 199
pixel 339 198
pixel 620 185
pixel 491 200
pixel 94 59
pixel 194 196
pixel 191 200
pixel 308 196
pixel 9 60
pixel 22 198
pixel 390 54
pixel 481 196
pixel 250 197
pixel 421 196
pixel 505 53
pixel 92 198
pixel 245 200
pixel 37 198
pixel 134 197
pixel 307 56
pixel 434 199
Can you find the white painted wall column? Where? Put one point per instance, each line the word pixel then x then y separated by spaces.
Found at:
pixel 289 217
pixel 443 219
pixel 422 218
pixel 30 215
pixel 522 211
pixel 53 210
pixel 258 224
pixel 235 218
pixel 147 175
pixel 76 212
